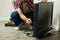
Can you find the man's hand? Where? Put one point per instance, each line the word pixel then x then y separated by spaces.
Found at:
pixel 44 1
pixel 29 21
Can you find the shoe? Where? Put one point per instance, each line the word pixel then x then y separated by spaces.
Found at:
pixel 6 24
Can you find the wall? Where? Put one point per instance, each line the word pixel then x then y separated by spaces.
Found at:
pixel 6 9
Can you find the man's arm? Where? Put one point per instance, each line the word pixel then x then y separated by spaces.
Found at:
pixel 22 16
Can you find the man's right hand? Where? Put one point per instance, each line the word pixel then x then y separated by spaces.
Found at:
pixel 44 1
pixel 29 21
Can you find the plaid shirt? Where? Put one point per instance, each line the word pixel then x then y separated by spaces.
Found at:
pixel 19 4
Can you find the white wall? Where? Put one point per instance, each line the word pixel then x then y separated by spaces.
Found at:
pixel 6 8
pixel 56 13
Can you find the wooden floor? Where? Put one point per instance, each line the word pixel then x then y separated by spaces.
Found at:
pixel 9 33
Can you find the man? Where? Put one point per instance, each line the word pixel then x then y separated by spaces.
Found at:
pixel 24 12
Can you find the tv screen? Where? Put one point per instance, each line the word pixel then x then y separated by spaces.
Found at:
pixel 43 13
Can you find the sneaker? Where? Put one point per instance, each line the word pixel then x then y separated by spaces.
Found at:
pixel 10 23
pixel 7 24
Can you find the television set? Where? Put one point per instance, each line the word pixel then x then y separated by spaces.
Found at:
pixel 43 15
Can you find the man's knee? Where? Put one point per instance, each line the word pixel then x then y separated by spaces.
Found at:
pixel 14 14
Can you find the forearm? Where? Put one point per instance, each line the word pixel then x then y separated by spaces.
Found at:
pixel 22 16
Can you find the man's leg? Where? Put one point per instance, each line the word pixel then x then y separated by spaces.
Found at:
pixel 15 18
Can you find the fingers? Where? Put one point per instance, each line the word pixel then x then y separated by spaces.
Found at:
pixel 44 1
pixel 29 21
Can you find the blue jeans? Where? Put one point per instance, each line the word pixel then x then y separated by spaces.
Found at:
pixel 16 18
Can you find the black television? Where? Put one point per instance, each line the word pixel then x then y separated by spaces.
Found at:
pixel 43 14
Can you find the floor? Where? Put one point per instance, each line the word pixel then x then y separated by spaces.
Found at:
pixel 9 33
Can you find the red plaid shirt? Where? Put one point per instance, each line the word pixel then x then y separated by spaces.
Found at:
pixel 18 4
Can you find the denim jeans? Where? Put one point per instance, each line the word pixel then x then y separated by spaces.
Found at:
pixel 16 18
